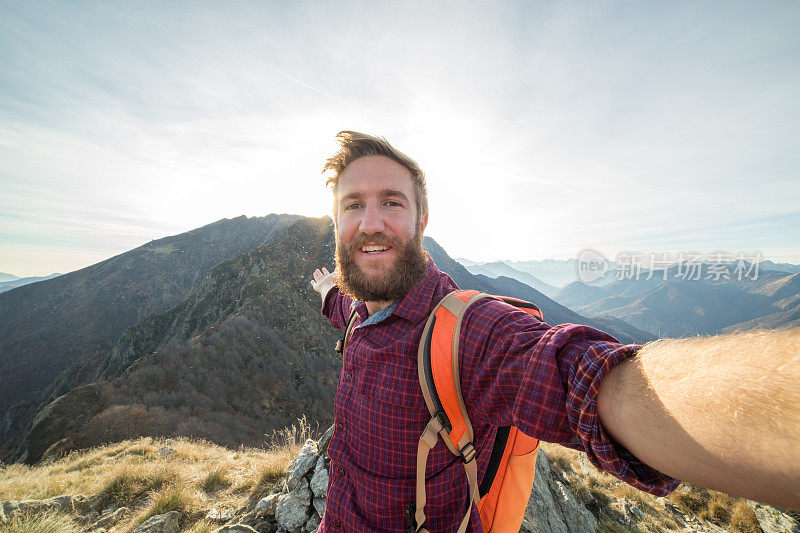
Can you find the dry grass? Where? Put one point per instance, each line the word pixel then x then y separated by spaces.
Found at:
pixel 192 479
pixel 743 519
pixel 54 523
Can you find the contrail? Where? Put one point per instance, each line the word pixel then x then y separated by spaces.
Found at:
pixel 322 93
pixel 536 178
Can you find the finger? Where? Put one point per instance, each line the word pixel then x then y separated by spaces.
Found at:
pixel 325 270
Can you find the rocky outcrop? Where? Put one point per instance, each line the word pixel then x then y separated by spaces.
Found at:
pixel 553 507
pixel 297 504
pixel 163 523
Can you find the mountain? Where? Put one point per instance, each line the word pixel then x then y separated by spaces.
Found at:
pixel 19 282
pixel 678 307
pixel 779 267
pixel 554 313
pixel 55 333
pixel 246 353
pixel 499 268
pixel 7 277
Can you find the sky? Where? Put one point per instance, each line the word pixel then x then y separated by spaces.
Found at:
pixel 543 127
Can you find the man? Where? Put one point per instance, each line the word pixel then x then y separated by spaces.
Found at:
pixel 720 412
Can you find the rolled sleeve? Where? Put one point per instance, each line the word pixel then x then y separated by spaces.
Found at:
pixel 544 380
pixel 593 361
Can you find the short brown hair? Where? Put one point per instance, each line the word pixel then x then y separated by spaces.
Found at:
pixel 355 145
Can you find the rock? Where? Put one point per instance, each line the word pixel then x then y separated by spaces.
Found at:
pixel 773 520
pixel 302 465
pixel 267 505
pixel 319 506
pixel 219 515
pixel 235 528
pixel 165 451
pixel 86 504
pixel 111 517
pixel 312 524
pixel 163 523
pixel 319 481
pixel 322 445
pixel 553 507
pixel 292 510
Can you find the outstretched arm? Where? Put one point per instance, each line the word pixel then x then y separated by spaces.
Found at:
pixel 721 412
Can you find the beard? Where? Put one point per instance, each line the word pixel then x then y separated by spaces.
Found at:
pixel 409 267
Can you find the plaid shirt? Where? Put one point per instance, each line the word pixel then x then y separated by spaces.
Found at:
pixel 514 371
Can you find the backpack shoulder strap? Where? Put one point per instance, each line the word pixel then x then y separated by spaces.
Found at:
pixel 340 344
pixel 438 368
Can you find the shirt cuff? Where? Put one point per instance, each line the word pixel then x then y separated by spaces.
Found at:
pixel 328 301
pixel 602 451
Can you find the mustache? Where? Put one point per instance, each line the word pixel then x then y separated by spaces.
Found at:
pixel 378 239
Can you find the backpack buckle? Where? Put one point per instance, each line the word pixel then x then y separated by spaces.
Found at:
pixel 468 453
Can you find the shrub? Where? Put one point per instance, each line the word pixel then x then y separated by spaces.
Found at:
pixel 171 498
pixel 215 480
pixel 744 520
pixel 270 475
pixel 128 485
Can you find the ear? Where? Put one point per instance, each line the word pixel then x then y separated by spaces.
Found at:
pixel 423 224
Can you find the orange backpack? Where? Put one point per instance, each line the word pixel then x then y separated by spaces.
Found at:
pixel 506 487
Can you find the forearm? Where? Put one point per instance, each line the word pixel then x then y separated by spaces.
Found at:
pixel 722 412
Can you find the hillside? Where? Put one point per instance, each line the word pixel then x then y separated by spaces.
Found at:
pixel 245 354
pixel 54 333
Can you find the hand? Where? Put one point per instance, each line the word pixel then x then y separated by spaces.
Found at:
pixel 323 281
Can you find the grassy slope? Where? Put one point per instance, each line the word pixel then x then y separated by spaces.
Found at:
pixel 199 476
pixel 195 478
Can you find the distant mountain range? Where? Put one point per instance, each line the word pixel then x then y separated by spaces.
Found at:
pixel 10 281
pixel 550 275
pixel 678 307
pixel 214 333
pixel 547 275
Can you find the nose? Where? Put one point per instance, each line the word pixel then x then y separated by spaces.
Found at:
pixel 372 220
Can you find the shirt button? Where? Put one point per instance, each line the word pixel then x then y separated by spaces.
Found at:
pixel 341 427
pixel 340 471
pixel 337 524
pixel 348 377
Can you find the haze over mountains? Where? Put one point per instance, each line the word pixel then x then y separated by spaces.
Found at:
pixel 10 281
pixel 216 333
pixel 672 304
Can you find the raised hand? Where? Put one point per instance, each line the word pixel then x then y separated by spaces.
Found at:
pixel 323 281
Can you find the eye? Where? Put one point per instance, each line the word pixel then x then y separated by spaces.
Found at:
pixel 392 203
pixel 351 206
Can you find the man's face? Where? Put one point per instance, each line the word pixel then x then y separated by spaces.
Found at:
pixel 379 252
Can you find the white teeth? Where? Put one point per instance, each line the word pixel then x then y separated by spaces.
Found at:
pixel 374 248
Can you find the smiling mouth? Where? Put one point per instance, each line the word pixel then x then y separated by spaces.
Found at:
pixel 374 249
